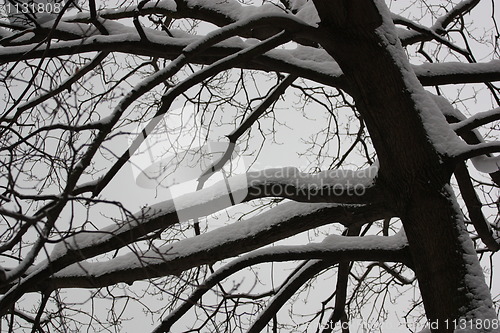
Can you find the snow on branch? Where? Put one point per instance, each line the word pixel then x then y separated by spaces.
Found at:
pixel 440 25
pixel 479 156
pixel 339 248
pixel 320 67
pixel 308 62
pixel 479 119
pixel 337 186
pixel 331 186
pixel 455 72
pixel 281 222
pixel 475 149
pixel 215 12
pixel 231 11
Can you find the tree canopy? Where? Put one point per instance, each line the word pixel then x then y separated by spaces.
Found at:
pixel 248 166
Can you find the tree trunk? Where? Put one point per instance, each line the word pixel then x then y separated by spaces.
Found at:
pixel 361 37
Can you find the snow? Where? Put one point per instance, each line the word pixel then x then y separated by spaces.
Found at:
pixel 165 4
pixel 371 242
pixel 482 163
pixel 208 200
pixel 79 241
pixel 404 33
pixel 315 58
pixel 89 238
pixel 4 33
pixel 25 37
pixel 476 117
pixel 481 305
pixel 486 164
pixel 79 29
pixel 130 36
pixel 230 8
pixel 432 122
pixel 224 235
pixel 442 137
pixel 448 110
pixel 297 4
pixel 445 142
pixel 290 175
pixel 312 60
pixel 240 230
pixel 449 68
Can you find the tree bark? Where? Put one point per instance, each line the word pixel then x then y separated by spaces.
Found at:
pixel 361 37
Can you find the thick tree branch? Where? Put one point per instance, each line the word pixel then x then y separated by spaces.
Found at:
pixel 116 237
pixel 399 114
pixel 485 163
pixel 225 242
pixel 278 60
pixel 275 254
pixel 456 73
pixel 472 137
pixel 474 207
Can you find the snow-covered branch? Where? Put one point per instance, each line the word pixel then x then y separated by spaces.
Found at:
pixel 312 63
pixel 279 223
pixel 440 25
pixel 276 222
pixel 478 119
pixel 455 73
pixel 239 238
pixel 479 156
pixel 476 149
pixel 368 248
pixel 219 14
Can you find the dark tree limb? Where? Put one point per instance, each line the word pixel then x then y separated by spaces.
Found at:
pixel 474 205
